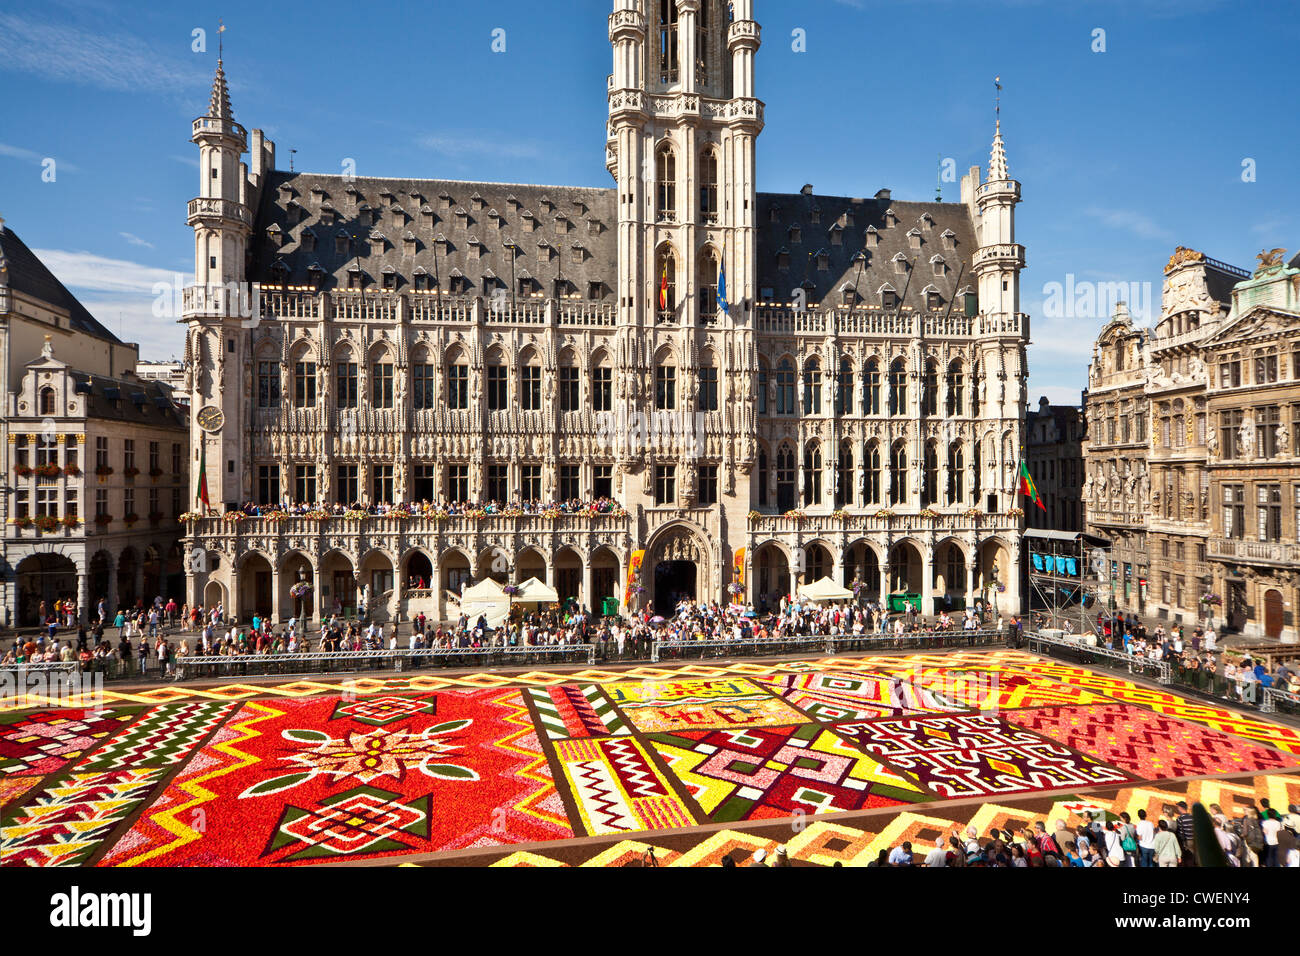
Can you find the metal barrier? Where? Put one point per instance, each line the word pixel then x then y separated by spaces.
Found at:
pixel 326 662
pixel 1087 654
pixel 1279 700
pixel 824 643
pixel 19 672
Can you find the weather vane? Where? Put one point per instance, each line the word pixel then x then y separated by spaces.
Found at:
pixel 997 99
pixel 221 28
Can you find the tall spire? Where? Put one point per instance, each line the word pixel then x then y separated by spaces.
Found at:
pixel 219 103
pixel 998 157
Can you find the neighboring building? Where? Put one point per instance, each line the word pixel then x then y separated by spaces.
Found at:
pixel 171 374
pixel 1253 358
pixel 1115 484
pixel 1219 381
pixel 72 403
pixel 1194 300
pixel 853 409
pixel 1054 437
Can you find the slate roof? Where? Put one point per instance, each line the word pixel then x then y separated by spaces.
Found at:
pixel 549 226
pixel 856 220
pixel 22 271
pixel 146 402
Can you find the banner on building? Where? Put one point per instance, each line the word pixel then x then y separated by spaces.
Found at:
pixel 633 569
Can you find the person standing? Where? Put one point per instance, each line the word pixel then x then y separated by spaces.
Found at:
pixel 1146 833
pixel 1165 846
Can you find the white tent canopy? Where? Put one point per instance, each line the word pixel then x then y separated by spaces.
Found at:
pixel 487 598
pixel 824 590
pixel 534 591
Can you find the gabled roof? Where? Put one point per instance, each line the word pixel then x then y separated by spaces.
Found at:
pixel 22 271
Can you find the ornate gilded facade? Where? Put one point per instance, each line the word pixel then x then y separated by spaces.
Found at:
pixel 774 387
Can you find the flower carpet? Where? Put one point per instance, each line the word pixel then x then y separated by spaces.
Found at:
pixel 443 767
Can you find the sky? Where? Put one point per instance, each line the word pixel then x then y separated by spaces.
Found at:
pixel 1134 126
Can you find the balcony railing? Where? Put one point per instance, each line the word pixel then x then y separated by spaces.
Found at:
pixel 1263 552
pixel 867 521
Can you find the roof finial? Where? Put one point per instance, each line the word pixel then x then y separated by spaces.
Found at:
pixel 998 156
pixel 221 28
pixel 997 102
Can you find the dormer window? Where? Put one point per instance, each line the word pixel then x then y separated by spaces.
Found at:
pixel 316 275
pixel 580 206
pixel 561 225
pixel 595 227
pixel 595 290
pixel 420 279
pixel 949 239
pixel 774 214
pixel 888 298
pixel 872 238
pixel 390 278
pixel 387 196
pixel 545 251
pixel 462 216
pixel 279 272
pixel 579 254
pixel 477 201
pixel 366 216
pixel 286 192
pixel 815 215
pixel 848 296
pixel 398 216
pixel 495 218
pixel 295 211
pixel 938 264
pixel 846 220
pixel 914 239
pixel 933 301
pixel 441 242
pixel 823 260
pixel 459 286
pixel 327 215
pixel 796 234
pixel 529 220
pixel 476 248
pixel 275 234
pixel 377 243
pixel 783 259
pixel 409 244
pixel 926 221
pixel 891 218
pixel 308 240
pixel 426 215
pixel 837 235
pixel 355 277
pixel 353 194
pixel 900 263
pixel 547 205
pixel 318 194
pixel 527 285
pixel 511 200
pixel 445 200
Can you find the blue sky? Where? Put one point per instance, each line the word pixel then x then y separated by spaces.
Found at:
pixel 1122 154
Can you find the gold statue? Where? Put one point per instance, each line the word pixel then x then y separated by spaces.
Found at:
pixel 1269 259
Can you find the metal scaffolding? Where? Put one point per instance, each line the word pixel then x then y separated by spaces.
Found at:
pixel 1065 570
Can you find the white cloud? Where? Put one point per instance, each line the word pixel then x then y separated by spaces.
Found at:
pixel 32 156
pixel 135 240
pixel 112 61
pixel 125 296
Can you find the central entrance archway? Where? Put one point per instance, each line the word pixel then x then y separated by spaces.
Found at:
pixel 43 579
pixel 678 560
pixel 674 580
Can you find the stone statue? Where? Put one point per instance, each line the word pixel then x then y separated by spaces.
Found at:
pixel 1283 439
pixel 1246 436
pixel 1212 445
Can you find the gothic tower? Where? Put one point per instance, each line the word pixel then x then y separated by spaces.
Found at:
pixel 1003 330
pixel 683 121
pixel 220 299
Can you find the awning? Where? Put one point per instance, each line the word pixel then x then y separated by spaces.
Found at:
pixel 534 591
pixel 825 590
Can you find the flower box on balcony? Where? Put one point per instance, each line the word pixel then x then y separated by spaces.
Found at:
pixel 72 471
pixel 23 522
pixel 45 523
pixel 21 470
pixel 131 472
pixel 102 520
pixel 49 470
pixel 70 521
pixel 130 519
pixel 155 474
pixel 190 516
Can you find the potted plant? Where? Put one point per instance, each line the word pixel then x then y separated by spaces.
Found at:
pixel 131 518
pixel 131 471
pixel 48 470
pixel 102 520
pixel 190 516
pixel 22 470
pixel 46 523
pixel 23 521
pixel 71 471
pixel 70 521
pixel 103 471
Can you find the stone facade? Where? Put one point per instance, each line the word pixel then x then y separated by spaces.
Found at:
pixel 1054 436
pixel 74 406
pixel 1197 432
pixel 851 405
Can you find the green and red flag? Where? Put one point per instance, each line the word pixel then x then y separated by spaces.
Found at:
pixel 1027 486
pixel 201 496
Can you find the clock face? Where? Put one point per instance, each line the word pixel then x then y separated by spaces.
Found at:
pixel 210 418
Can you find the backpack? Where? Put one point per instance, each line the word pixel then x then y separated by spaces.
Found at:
pixel 1252 834
pixel 1048 845
pixel 1128 843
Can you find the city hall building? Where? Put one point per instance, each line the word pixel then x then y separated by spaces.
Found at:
pixel 773 387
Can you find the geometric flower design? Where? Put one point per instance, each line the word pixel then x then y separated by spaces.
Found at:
pixel 688 705
pixel 616 787
pixel 764 772
pixel 45 742
pixel 831 696
pixel 378 711
pixel 367 756
pixel 573 711
pixel 965 755
pixel 1152 746
pixel 363 820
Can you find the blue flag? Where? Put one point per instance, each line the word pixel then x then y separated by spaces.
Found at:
pixel 722 285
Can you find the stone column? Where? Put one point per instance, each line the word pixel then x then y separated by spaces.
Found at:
pixel 83 595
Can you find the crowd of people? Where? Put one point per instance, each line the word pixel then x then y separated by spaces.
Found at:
pixel 426 508
pixel 1251 836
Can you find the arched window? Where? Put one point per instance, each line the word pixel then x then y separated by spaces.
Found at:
pixel 871 475
pixel 667 41
pixel 665 383
pixel 784 388
pixel 702 26
pixel 844 389
pixel 707 282
pixel 956 474
pixel 897 387
pixel 602 382
pixel 762 476
pixel 665 184
pixel 953 406
pixel 708 184
pixel 530 381
pixel 812 387
pixel 457 380
pixel 930 475
pixel 708 382
pixel 871 388
pixel 666 285
pixel 812 474
pixel 930 389
pixel 898 473
pixel 47 401
pixel 844 476
pixel 785 478
pixel 762 387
